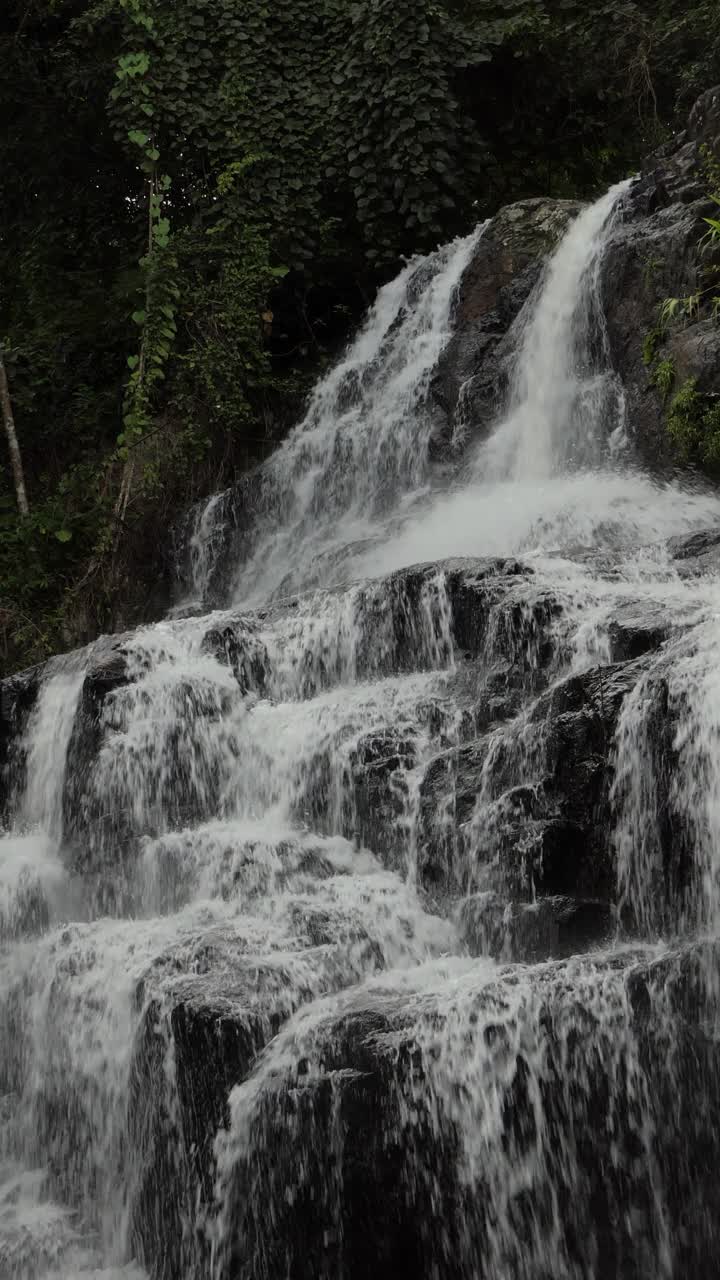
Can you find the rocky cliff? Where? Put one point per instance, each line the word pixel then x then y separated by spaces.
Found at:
pixel 655 253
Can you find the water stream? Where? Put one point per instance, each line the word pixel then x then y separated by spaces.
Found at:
pixel 241 1000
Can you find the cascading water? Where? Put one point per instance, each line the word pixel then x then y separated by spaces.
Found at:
pixel 563 392
pixel 363 444
pixel 329 924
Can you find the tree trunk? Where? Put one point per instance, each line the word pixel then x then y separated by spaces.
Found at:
pixel 13 446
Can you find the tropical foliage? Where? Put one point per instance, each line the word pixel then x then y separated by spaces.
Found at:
pixel 199 198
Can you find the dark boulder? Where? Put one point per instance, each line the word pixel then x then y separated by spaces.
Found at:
pixel 696 554
pixel 238 644
pixel 86 822
pixel 18 695
pixel 549 928
pixel 209 541
pixel 596 1153
pixel 694 546
pixel 379 799
pixel 637 628
pixel 213 1040
pixel 580 715
pixel 526 805
pixel 208 1010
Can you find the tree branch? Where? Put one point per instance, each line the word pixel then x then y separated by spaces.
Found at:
pixel 13 446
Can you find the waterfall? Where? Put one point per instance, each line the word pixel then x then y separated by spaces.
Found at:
pixel 362 446
pixel 368 924
pixel 562 393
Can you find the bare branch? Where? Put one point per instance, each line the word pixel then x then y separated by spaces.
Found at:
pixel 13 446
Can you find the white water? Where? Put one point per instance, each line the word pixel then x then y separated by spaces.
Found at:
pixel 224 851
pixel 362 446
pixel 204 546
pixel 561 396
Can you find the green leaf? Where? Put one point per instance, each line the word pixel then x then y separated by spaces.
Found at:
pixel 63 535
pixel 139 317
pixel 133 362
pixel 138 137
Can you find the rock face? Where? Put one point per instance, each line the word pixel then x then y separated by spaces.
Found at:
pixel 472 378
pixel 655 255
pixel 17 698
pixel 393 1204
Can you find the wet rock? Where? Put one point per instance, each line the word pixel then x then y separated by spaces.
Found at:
pixel 18 695
pixel 580 713
pixel 673 1005
pixel 636 629
pixel 649 258
pixel 108 670
pixel 528 807
pixel 696 554
pixel 238 644
pixel 474 588
pixel 694 546
pixel 695 352
pixel 173 1122
pixel 678 165
pixel 405 622
pixel 86 821
pixel 472 378
pixel 383 1101
pixel 549 928
pixel 551 835
pixel 205 553
pixel 597 693
pixel 380 795
pixel 655 254
pixel 448 795
pixel 386 1224
pixel 201 1032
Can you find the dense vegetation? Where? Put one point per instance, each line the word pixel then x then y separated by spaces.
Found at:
pixel 200 196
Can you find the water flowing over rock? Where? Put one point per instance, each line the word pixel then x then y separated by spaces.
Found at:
pixel 367 924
